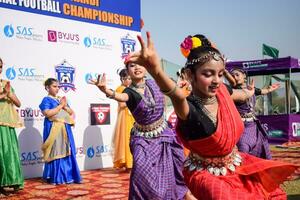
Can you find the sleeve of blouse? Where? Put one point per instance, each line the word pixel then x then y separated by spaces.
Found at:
pixel 45 104
pixel 133 99
pixel 229 88
pixel 257 91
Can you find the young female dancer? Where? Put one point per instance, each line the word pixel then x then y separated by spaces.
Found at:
pixel 209 126
pixel 122 156
pixel 10 166
pixel 59 146
pixel 157 155
pixel 254 140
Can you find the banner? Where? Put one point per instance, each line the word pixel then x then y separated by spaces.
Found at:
pixel 73 41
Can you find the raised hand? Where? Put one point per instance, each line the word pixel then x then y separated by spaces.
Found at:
pixel 63 101
pixel 273 87
pixel 147 56
pixel 7 87
pixel 100 82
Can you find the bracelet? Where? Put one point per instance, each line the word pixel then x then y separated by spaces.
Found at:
pixel 112 96
pixel 170 92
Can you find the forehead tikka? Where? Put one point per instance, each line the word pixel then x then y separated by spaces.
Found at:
pixel 211 54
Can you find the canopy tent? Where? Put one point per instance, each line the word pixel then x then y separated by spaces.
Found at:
pixel 266 66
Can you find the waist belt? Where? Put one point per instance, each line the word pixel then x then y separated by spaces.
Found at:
pixel 150 130
pixel 214 165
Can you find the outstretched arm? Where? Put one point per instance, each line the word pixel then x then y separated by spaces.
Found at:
pixel 101 84
pixel 242 95
pixel 149 58
pixel 270 88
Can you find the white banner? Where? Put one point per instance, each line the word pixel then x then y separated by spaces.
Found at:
pixel 35 47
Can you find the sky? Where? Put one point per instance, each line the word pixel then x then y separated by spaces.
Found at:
pixel 237 27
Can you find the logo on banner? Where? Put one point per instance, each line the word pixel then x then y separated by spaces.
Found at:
pixel 128 45
pixel 98 150
pixel 100 114
pixel 11 73
pixel 22 32
pixel 8 31
pixel 87 42
pixel 30 114
pixel 96 42
pixel 31 158
pixel 23 74
pixel 65 74
pixel 52 36
pixel 90 152
pixel 59 36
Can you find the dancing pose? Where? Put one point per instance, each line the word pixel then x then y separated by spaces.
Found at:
pixel 209 125
pixel 122 156
pixel 254 140
pixel 59 147
pixel 157 155
pixel 10 166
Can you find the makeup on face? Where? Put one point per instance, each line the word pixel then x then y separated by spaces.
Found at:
pixel 208 78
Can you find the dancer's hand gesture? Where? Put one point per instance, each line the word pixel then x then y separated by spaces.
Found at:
pixel 147 56
pixel 273 87
pixel 7 88
pixel 100 82
pixel 63 101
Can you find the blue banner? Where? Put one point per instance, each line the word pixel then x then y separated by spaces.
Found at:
pixel 124 14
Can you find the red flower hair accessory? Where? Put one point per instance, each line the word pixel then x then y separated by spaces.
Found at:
pixel 188 44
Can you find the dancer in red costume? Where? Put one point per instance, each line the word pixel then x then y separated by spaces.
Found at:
pixel 210 126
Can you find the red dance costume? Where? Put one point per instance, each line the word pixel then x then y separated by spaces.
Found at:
pixel 255 178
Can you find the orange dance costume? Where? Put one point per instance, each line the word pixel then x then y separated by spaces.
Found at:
pixel 124 123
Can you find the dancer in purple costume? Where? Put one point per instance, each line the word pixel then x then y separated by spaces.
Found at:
pixel 157 154
pixel 254 140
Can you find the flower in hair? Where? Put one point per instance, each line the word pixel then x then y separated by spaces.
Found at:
pixel 196 42
pixel 188 44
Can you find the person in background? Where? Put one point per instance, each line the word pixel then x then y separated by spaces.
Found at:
pixel 122 157
pixel 11 176
pixel 183 81
pixel 209 125
pixel 59 151
pixel 157 154
pixel 254 140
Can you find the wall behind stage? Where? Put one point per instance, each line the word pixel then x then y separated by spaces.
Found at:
pixel 37 44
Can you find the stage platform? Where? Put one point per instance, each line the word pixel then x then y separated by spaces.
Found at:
pixel 103 184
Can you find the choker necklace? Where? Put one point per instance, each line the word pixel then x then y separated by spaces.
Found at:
pixel 149 100
pixel 139 86
pixel 206 101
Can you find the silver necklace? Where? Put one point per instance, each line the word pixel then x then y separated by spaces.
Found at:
pixel 202 102
pixel 206 101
